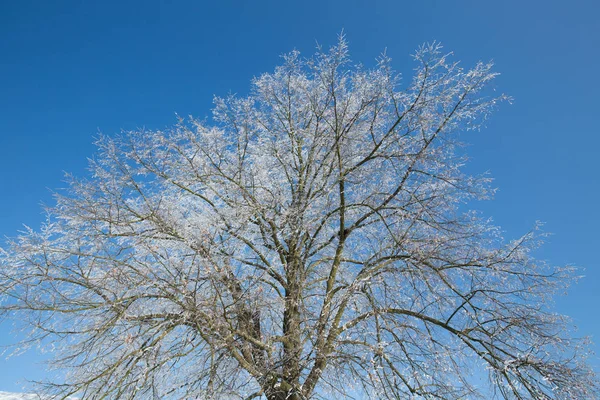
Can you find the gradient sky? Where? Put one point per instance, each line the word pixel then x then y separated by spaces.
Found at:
pixel 71 69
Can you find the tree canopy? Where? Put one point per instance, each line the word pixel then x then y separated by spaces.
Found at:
pixel 312 241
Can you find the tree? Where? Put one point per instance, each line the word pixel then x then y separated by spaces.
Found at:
pixel 314 242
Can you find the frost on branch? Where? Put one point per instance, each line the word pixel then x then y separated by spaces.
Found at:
pixel 310 243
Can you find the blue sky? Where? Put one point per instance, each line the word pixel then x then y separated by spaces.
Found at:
pixel 71 69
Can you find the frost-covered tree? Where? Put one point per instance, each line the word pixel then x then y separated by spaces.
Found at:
pixel 313 241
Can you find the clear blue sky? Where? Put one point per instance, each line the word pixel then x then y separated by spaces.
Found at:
pixel 69 69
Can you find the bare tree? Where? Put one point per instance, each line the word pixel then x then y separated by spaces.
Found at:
pixel 313 242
